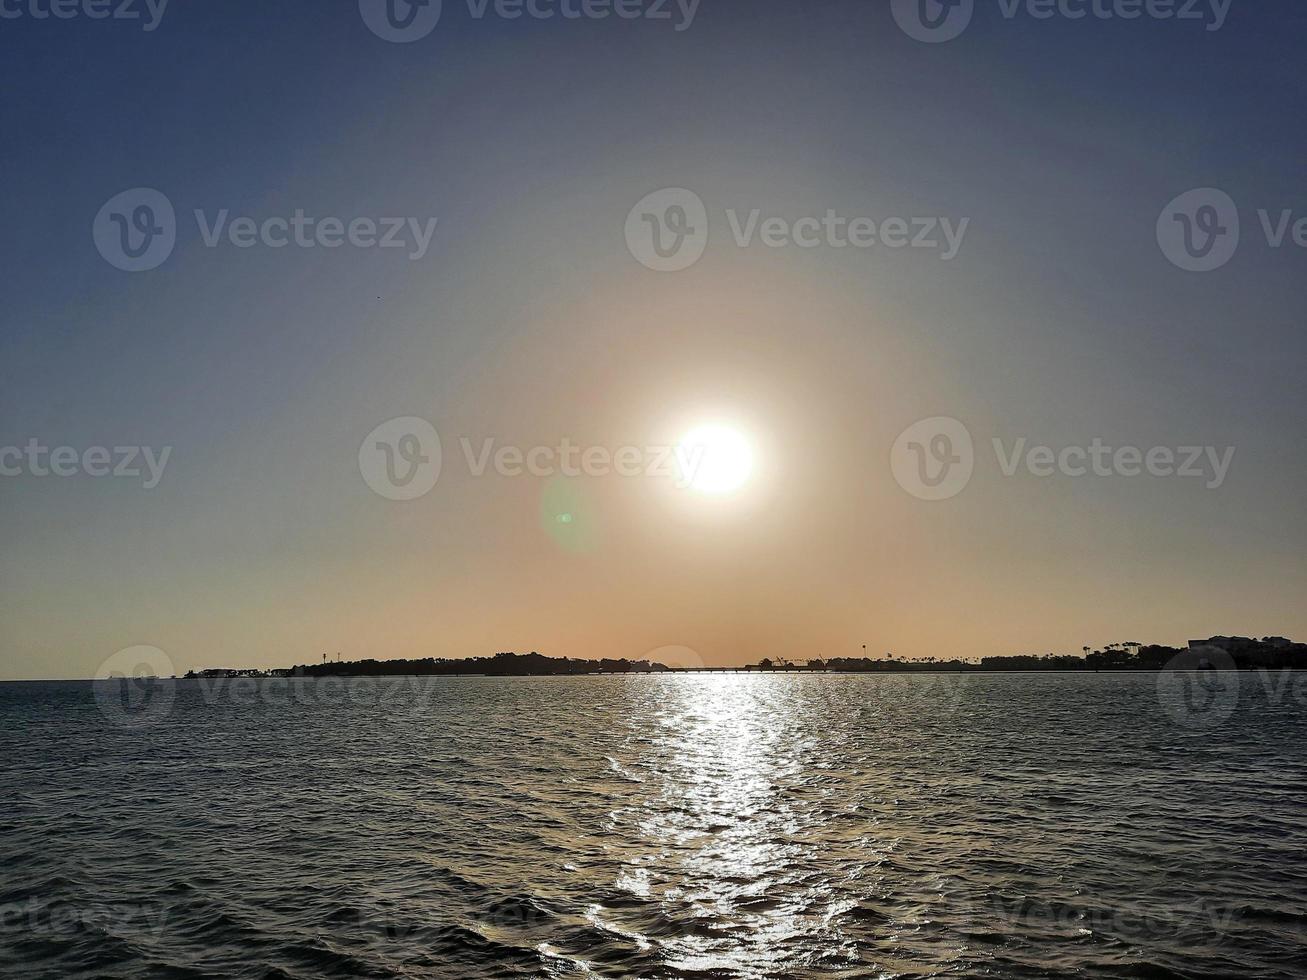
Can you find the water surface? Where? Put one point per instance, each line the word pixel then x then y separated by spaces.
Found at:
pixel 646 826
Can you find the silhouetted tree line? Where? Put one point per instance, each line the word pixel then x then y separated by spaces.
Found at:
pixel 500 665
pixel 1246 653
pixel 1270 652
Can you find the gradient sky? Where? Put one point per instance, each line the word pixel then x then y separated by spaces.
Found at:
pixel 529 321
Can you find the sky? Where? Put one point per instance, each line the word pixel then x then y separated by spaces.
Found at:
pixel 534 314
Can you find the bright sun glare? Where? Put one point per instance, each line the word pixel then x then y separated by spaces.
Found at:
pixel 714 459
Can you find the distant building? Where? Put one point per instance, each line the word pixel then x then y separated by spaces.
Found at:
pixel 1225 643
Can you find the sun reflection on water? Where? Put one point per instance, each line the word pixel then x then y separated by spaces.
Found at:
pixel 727 826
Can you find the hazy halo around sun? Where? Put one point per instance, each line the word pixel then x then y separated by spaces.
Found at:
pixel 714 459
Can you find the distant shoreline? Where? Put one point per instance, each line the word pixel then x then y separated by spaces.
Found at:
pixel 1217 653
pixel 754 671
pixel 748 672
pixel 1220 653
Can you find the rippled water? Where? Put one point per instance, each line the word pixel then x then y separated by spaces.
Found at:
pixel 683 826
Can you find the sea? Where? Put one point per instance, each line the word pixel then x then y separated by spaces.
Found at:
pixel 1113 825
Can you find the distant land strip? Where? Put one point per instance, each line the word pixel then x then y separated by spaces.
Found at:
pixel 1214 653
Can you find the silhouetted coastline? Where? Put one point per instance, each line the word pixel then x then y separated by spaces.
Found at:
pixel 1217 653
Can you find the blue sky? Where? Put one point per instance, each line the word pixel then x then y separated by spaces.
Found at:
pixel 528 320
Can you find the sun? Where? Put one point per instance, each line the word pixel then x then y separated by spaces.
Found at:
pixel 714 459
